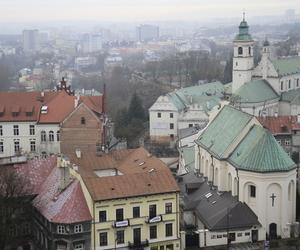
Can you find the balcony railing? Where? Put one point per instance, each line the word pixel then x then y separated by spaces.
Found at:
pixel 138 244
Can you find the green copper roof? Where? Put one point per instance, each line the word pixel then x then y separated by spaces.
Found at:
pixel 188 154
pixel 243 34
pixel 287 66
pixel 256 91
pixel 223 130
pixel 207 95
pixel 292 96
pixel 260 152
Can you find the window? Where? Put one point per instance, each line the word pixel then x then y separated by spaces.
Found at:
pixel 287 142
pixel 1 147
pixel 32 146
pixel 152 211
pixel 169 229
pixel 190 125
pixel 51 136
pixel 158 115
pixel 289 84
pixel 136 212
pixel 169 247
pixel 171 125
pixel 102 216
pixel 120 237
pixel 162 247
pixel 43 136
pixel 297 82
pixel 119 214
pixel 17 147
pixel 79 247
pixel 61 229
pixel 58 136
pixel 137 235
pixel 31 130
pixel 252 191
pixel 78 228
pixel 1 130
pixel 168 207
pixel 281 85
pixel 171 115
pixel 240 51
pixel 153 232
pixel 16 129
pixel 249 50
pixel 82 121
pixel 239 234
pixel 247 234
pixel 103 239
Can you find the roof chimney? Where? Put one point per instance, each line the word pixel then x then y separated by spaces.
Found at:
pixel 78 153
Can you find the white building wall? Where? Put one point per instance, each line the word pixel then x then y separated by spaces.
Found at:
pixel 8 138
pixel 49 147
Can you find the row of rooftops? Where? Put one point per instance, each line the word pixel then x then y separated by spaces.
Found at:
pixel 44 107
pixel 58 195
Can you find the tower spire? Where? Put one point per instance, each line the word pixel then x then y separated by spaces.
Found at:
pixel 244 16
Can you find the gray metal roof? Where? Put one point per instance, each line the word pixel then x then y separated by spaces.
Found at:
pixel 216 210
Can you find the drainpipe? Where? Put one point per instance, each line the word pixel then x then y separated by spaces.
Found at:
pixel 94 224
pixel 213 173
pixel 238 184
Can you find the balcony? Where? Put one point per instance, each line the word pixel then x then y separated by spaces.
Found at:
pixel 156 219
pixel 122 223
pixel 138 244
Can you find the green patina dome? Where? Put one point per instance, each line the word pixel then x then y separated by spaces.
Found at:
pixel 243 32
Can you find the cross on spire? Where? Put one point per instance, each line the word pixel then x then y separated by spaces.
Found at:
pixel 273 197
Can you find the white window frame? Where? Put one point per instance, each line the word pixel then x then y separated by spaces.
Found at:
pixel 16 130
pixel 32 146
pixel 287 142
pixel 78 228
pixel 61 229
pixel 79 246
pixel 51 136
pixel 17 147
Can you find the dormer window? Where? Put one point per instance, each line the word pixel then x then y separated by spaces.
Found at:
pixel 44 109
pixel 15 110
pixel 29 111
pixel 2 109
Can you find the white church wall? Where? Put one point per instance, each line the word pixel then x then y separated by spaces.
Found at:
pixel 270 210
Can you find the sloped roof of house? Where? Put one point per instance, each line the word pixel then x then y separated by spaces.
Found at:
pixel 287 65
pixel 207 95
pixel 188 154
pixel 214 211
pixel 292 96
pixel 256 91
pixel 280 125
pixel 260 152
pixel 140 174
pixel 62 206
pixel 26 106
pixel 223 130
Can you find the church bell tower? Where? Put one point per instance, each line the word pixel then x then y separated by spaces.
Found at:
pixel 243 62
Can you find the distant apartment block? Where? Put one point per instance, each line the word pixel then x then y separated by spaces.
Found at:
pixel 91 43
pixel 147 32
pixel 31 41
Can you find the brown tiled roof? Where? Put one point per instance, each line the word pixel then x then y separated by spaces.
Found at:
pixel 141 174
pixel 280 125
pixel 59 103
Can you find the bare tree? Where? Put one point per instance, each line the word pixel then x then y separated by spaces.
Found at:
pixel 15 206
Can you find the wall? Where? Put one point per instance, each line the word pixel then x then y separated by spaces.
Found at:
pixel 143 202
pixel 49 147
pixel 75 135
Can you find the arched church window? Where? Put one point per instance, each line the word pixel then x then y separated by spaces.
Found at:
pixel 240 50
pixel 249 49
pixel 281 85
pixel 291 190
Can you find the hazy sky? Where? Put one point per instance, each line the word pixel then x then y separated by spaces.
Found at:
pixel 138 10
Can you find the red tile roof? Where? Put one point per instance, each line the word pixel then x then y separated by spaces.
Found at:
pixel 59 104
pixel 280 125
pixel 62 206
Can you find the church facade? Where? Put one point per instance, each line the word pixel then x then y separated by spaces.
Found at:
pixel 236 154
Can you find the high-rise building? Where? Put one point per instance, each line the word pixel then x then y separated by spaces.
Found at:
pixel 31 41
pixel 147 32
pixel 91 43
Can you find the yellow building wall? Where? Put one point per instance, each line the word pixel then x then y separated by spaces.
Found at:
pixel 160 200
